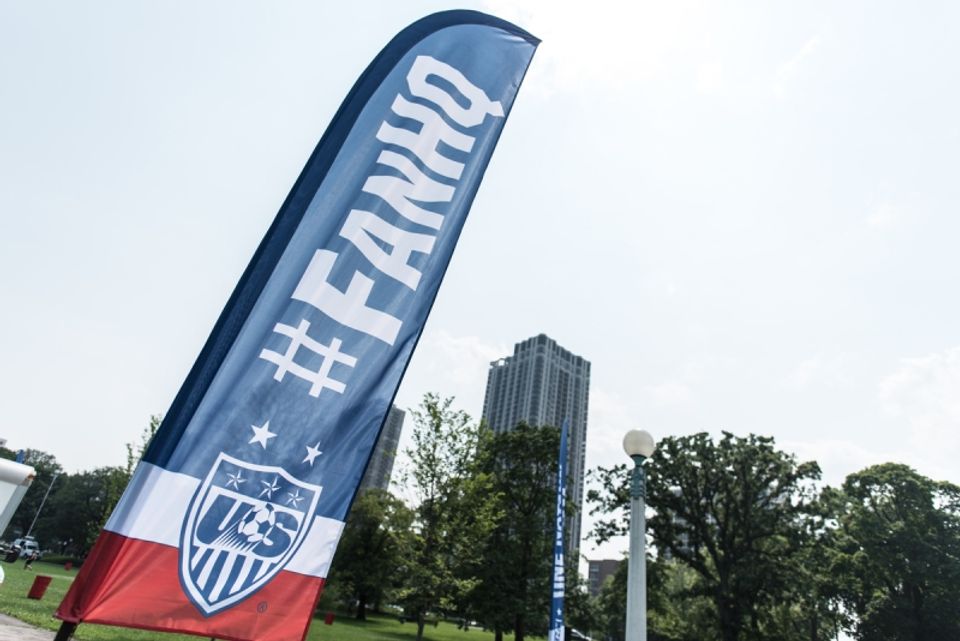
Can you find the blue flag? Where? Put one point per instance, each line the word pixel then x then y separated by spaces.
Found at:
pixel 231 520
pixel 555 632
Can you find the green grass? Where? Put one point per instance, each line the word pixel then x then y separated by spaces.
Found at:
pixel 14 602
pixel 377 628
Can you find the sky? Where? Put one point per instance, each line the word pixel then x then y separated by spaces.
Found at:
pixel 743 214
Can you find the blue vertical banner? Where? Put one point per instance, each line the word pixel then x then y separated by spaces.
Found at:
pixel 230 521
pixel 555 631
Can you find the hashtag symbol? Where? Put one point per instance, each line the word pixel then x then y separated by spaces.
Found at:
pixel 320 379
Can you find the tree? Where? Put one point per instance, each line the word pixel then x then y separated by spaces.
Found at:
pixel 514 588
pixel 612 605
pixel 897 554
pixel 372 550
pixel 812 609
pixel 676 608
pixel 582 611
pixel 79 510
pixel 733 510
pixel 454 512
pixel 136 450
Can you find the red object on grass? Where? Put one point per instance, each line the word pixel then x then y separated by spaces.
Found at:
pixel 39 587
pixel 68 566
pixel 328 619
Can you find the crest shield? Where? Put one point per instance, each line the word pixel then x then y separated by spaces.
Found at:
pixel 244 524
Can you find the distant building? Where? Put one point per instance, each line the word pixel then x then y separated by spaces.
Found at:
pixel 598 572
pixel 381 463
pixel 683 535
pixel 542 384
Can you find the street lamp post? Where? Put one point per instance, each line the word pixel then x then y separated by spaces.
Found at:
pixel 639 445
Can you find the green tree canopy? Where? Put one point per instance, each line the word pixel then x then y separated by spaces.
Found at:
pixel 373 549
pixel 79 509
pixel 897 554
pixel 514 588
pixel 454 510
pixel 734 510
pixel 136 449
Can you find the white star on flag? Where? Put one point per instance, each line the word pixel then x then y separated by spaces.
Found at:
pixel 312 453
pixel 261 434
pixel 270 488
pixel 236 479
pixel 294 499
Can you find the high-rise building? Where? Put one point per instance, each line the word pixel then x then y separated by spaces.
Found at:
pixel 381 463
pixel 598 572
pixel 543 384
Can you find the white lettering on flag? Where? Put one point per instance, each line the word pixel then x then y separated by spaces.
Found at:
pixel 424 144
pixel 398 193
pixel 331 354
pixel 361 227
pixel 347 308
pixel 388 247
pixel 480 105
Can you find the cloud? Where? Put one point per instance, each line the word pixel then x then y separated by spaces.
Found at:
pixel 464 358
pixel 458 363
pixel 837 457
pixel 710 77
pixel 668 393
pixel 924 396
pixel 610 418
pixel 786 71
pixel 818 370
pixel 885 216
pixel 612 44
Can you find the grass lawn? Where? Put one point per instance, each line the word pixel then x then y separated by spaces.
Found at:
pixel 14 602
pixel 378 627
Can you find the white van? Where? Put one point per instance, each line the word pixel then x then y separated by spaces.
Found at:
pixel 28 545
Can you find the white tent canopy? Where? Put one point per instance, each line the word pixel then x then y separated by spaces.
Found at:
pixel 15 478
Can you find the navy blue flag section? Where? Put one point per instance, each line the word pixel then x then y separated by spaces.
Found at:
pixel 555 631
pixel 230 522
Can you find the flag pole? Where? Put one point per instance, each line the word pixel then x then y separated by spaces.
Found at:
pixel 556 629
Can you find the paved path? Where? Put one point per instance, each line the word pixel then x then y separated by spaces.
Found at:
pixel 16 630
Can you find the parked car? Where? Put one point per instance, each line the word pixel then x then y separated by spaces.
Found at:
pixel 28 545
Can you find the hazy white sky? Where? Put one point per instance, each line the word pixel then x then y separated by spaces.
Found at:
pixel 744 214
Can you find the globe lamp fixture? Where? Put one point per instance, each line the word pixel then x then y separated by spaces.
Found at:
pixel 639 443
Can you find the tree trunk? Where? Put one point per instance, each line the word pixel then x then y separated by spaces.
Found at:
pixel 362 609
pixel 421 622
pixel 917 602
pixel 498 635
pixel 518 630
pixel 729 620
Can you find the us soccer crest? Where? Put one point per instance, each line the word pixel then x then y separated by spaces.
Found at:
pixel 244 524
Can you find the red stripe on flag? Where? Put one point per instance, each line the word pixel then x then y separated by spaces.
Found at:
pixel 135 584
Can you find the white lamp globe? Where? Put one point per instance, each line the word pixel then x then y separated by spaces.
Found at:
pixel 639 443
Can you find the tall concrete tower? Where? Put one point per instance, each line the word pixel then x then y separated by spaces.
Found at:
pixel 542 384
pixel 380 468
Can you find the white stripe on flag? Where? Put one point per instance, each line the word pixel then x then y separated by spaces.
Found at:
pixel 153 507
